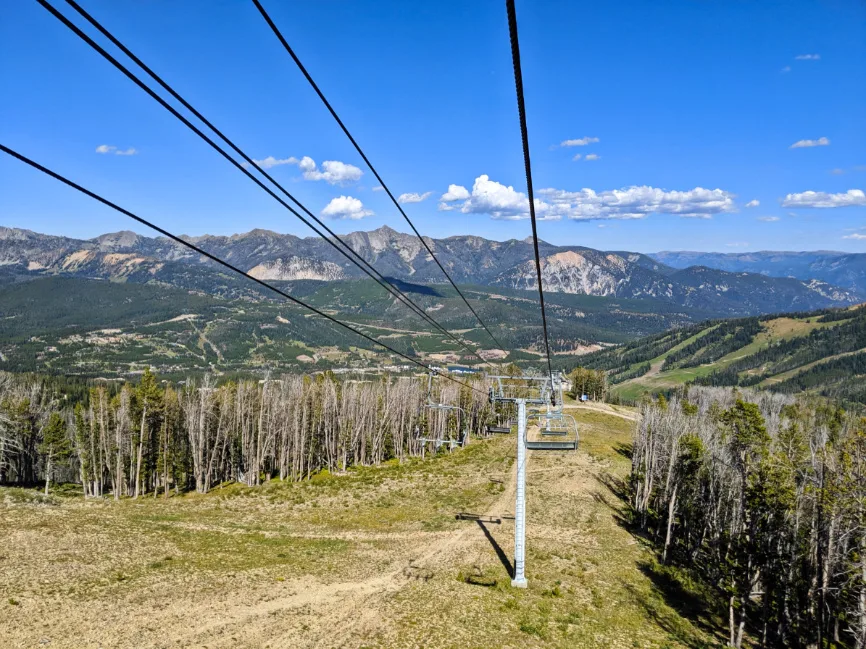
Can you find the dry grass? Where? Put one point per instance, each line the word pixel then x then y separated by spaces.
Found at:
pixel 374 558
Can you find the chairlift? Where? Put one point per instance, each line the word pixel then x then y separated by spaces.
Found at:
pixel 434 406
pixel 501 427
pixel 557 425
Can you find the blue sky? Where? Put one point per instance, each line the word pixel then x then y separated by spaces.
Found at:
pixel 681 113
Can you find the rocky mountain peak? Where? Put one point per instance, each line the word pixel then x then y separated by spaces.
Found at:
pixel 469 259
pixel 116 240
pixel 257 233
pixel 15 234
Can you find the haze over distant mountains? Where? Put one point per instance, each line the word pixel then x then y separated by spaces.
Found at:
pixel 718 283
pixel 844 269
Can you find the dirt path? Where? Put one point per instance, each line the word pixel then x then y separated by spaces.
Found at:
pixel 204 340
pixel 654 370
pixel 375 559
pixel 336 613
pixel 604 408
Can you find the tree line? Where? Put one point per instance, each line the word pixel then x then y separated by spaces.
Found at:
pixel 619 359
pixel 592 383
pixel 155 438
pixel 765 495
pixel 836 378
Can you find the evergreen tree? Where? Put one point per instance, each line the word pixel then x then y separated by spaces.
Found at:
pixel 55 446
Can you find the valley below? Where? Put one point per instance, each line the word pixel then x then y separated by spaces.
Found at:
pixel 113 305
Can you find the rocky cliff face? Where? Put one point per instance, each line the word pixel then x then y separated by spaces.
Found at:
pixel 295 268
pixel 468 259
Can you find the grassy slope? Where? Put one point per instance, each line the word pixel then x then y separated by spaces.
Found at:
pixel 782 328
pixel 374 558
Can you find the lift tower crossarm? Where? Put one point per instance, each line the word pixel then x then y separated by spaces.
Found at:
pixel 523 390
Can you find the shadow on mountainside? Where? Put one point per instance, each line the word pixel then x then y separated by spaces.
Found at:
pixel 408 287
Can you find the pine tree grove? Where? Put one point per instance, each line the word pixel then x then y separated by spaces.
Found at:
pixel 765 496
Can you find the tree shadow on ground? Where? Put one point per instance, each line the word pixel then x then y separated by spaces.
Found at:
pixel 694 615
pixel 619 505
pixel 679 602
pixel 625 450
pixel 617 487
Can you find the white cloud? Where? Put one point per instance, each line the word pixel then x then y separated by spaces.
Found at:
pixel 503 202
pixel 856 235
pixel 271 161
pixel 738 244
pixel 808 57
pixel 837 171
pixel 579 142
pixel 346 207
pixel 414 197
pixel 378 188
pixel 455 193
pixel 787 68
pixel 333 172
pixel 307 164
pixel 577 157
pixel 638 202
pixel 853 197
pixel 753 203
pixel 110 148
pixel 592 156
pixel 805 144
pixel 769 219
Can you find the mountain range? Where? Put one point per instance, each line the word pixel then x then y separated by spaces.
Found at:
pixel 667 277
pixel 844 269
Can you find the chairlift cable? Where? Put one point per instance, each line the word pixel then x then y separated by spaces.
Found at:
pixel 521 108
pixel 378 277
pixel 369 164
pixel 222 262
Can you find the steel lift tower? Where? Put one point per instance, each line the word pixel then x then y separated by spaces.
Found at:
pixel 522 391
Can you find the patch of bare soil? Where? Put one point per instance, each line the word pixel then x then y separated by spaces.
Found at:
pixel 415 556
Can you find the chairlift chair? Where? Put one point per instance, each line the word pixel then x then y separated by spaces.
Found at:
pixel 557 425
pixel 500 428
pixel 434 406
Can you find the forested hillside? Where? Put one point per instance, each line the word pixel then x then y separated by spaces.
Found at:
pixel 820 353
pixel 85 327
pixel 761 496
